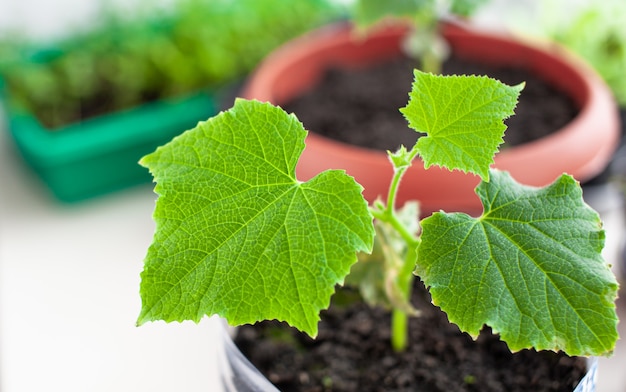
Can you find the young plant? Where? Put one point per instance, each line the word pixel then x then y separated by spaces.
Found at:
pixel 424 42
pixel 238 235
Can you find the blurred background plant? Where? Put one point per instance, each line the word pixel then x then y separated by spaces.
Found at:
pixel 424 42
pixel 129 58
pixel 596 31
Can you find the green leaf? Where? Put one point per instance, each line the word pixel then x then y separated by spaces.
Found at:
pixel 367 12
pixel 530 267
pixel 237 235
pixel 462 117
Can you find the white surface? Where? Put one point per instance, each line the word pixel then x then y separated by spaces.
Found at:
pixel 52 19
pixel 69 281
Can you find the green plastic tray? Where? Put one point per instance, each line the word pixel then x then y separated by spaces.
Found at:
pixel 100 155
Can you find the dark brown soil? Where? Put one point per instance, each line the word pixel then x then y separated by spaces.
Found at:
pixel 361 107
pixel 352 353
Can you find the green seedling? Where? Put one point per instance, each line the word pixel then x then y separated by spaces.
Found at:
pixel 239 236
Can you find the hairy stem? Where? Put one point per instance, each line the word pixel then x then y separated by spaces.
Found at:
pixel 399 317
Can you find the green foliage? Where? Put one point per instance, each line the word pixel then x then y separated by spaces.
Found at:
pixel 529 267
pixel 369 12
pixel 597 33
pixel 424 43
pixel 238 235
pixel 125 61
pixel 465 7
pixel 452 140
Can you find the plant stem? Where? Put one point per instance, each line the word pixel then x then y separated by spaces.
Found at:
pixel 431 63
pixel 398 173
pixel 399 330
pixel 399 318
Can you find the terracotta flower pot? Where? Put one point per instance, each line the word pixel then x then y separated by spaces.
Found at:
pixel 583 148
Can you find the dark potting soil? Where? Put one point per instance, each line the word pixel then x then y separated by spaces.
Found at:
pixel 360 107
pixel 352 353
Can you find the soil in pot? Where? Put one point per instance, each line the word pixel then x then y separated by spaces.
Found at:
pixel 360 106
pixel 352 353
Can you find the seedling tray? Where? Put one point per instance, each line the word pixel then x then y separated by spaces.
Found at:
pixel 100 155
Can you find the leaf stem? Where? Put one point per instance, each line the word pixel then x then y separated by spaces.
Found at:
pixel 387 213
pixel 398 173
